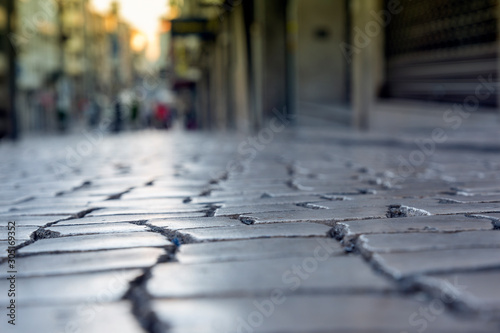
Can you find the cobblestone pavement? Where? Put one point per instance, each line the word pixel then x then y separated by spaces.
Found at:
pixel 293 231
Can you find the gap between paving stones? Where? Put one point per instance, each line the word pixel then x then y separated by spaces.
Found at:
pixel 142 302
pixel 42 233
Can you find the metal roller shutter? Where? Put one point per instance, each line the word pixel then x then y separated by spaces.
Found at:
pixel 441 50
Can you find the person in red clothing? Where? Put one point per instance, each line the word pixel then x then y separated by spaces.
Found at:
pixel 163 115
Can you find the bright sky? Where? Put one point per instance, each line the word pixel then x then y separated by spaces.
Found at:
pixel 143 15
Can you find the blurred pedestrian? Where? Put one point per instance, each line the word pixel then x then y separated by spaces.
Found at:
pixel 117 117
pixel 63 90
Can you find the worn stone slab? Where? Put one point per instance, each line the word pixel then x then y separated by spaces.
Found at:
pixel 63 200
pixel 143 218
pixel 160 193
pixel 303 313
pixel 262 208
pixel 326 216
pixel 478 291
pixel 20 233
pixel 254 249
pixel 145 211
pixel 263 199
pixel 96 228
pixel 99 191
pixel 82 318
pixel 154 204
pixel 401 265
pixel 200 222
pixel 434 207
pixel 47 210
pixel 84 262
pixel 102 287
pixel 33 220
pixel 253 231
pixel 491 198
pixel 495 217
pixel 349 230
pixel 318 272
pixel 97 242
pixel 386 243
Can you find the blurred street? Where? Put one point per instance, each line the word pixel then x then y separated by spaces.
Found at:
pixel 291 229
pixel 244 166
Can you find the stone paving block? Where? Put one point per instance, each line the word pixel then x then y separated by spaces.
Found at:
pixel 146 211
pixel 200 222
pixel 349 230
pixel 153 204
pixel 492 198
pixel 468 208
pixel 478 291
pixel 82 318
pixel 253 249
pixel 253 231
pixel 401 265
pixel 265 200
pixel 152 192
pixel 32 220
pixel 98 191
pixel 327 216
pixel 494 216
pixel 120 218
pixel 96 228
pixel 62 200
pixel 176 183
pixel 84 262
pixel 301 314
pixel 386 243
pixel 230 211
pixel 97 242
pixel 318 272
pixel 21 233
pixel 47 210
pixel 102 287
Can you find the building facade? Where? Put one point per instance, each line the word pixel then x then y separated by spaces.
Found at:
pixel 65 52
pixel 339 58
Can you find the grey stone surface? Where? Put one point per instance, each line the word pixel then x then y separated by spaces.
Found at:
pixel 101 287
pixel 327 216
pixel 385 243
pixel 201 222
pixel 259 200
pixel 110 219
pixel 85 262
pixel 63 210
pixel 21 233
pixel 253 249
pixel 96 228
pixel 321 313
pixel 97 242
pixel 172 184
pixel 253 231
pixel 262 208
pixel 476 290
pixel 83 318
pixel 159 193
pixel 400 265
pixel 33 220
pixel 173 212
pixel 316 272
pixel 348 230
